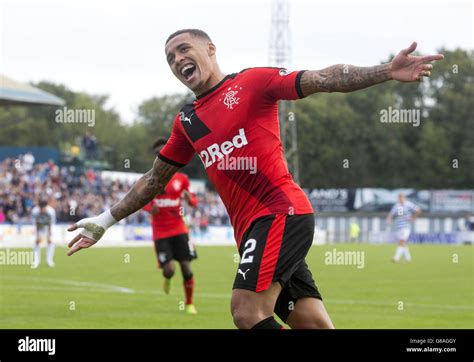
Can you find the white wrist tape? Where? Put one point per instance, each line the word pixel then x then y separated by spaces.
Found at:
pixel 106 219
pixel 95 227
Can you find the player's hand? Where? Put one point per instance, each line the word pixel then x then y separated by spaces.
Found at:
pixel 94 228
pixel 412 68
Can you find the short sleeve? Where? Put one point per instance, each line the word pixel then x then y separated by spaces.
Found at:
pixel 279 83
pixel 148 207
pixel 178 151
pixel 185 183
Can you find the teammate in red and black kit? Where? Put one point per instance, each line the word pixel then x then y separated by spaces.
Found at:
pixel 170 234
pixel 235 118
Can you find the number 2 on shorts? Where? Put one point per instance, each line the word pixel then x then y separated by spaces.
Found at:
pixel 249 247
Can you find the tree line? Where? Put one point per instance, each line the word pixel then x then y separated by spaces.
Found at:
pixel 344 140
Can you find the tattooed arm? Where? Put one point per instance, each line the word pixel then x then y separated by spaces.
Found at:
pixel 343 78
pixel 346 78
pixel 144 190
pixel 141 193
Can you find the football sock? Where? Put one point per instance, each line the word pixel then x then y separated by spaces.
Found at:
pixel 398 253
pixel 50 253
pixel 36 254
pixel 407 254
pixel 268 323
pixel 189 289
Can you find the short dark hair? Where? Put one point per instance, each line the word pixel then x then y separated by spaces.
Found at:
pixel 43 203
pixel 160 141
pixel 194 32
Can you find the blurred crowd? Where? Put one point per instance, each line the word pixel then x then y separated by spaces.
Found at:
pixel 76 195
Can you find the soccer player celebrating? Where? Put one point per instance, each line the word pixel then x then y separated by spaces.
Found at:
pixel 44 218
pixel 404 212
pixel 235 117
pixel 170 234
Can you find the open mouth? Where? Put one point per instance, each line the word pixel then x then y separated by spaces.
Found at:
pixel 188 70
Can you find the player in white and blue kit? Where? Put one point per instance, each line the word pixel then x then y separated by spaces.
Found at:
pixel 403 213
pixel 44 218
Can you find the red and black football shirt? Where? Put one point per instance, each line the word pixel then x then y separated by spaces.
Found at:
pixel 168 221
pixel 235 131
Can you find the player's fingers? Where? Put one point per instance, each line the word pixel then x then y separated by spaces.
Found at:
pixel 429 58
pixel 84 243
pixel 427 66
pixel 77 225
pixel 72 227
pixel 410 49
pixel 81 223
pixel 74 249
pixel 75 240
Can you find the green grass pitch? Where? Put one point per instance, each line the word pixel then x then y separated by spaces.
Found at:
pixel 121 288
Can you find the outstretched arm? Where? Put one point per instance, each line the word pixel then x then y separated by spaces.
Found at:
pixel 343 78
pixel 347 78
pixel 142 192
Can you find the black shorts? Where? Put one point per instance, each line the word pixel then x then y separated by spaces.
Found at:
pixel 176 247
pixel 273 249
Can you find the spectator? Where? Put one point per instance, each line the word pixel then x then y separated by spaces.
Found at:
pixel 89 142
pixel 78 195
pixel 28 161
pixel 2 216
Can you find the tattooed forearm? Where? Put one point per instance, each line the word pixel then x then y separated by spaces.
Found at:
pixel 343 78
pixel 144 190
